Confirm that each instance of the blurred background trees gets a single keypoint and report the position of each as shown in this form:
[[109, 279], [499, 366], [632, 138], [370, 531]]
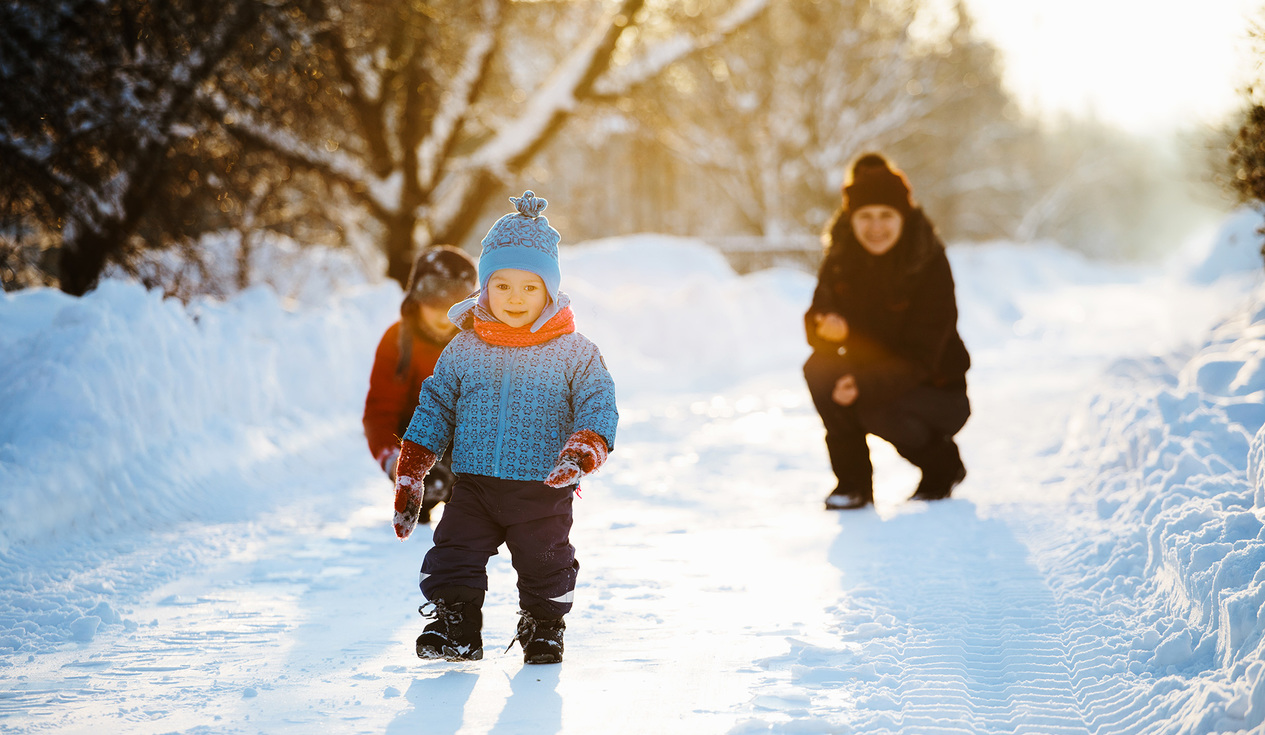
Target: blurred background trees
[[1245, 173], [171, 141], [428, 109], [754, 136]]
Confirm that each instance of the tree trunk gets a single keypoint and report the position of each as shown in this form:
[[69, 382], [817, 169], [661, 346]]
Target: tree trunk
[[484, 185], [246, 243], [399, 247], [86, 250], [83, 257]]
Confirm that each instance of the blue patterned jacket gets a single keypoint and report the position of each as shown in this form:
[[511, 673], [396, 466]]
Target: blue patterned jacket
[[508, 410]]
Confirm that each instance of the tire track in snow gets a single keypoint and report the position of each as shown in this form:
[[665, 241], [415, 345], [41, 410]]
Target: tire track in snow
[[944, 627], [942, 624], [1118, 662]]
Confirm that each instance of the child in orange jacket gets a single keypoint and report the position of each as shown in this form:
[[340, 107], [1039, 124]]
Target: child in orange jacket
[[406, 356]]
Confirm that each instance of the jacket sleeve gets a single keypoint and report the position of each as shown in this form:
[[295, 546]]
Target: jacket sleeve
[[388, 398], [885, 374], [593, 397], [435, 417], [823, 303]]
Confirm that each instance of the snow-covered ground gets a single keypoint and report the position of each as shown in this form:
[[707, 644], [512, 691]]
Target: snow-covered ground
[[193, 537]]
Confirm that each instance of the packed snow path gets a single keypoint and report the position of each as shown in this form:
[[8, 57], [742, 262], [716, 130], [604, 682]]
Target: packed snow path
[[715, 593]]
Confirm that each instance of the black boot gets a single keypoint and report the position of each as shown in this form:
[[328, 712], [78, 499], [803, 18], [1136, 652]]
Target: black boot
[[850, 460], [457, 632], [540, 637], [845, 438], [848, 498], [942, 469]]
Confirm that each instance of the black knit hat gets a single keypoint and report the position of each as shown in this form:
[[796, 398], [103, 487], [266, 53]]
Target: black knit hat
[[874, 181], [442, 275]]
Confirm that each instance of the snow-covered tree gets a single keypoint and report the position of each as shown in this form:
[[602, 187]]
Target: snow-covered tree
[[775, 114], [96, 94], [754, 136], [962, 153], [421, 112]]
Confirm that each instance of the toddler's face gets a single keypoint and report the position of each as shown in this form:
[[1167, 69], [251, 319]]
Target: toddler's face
[[516, 297]]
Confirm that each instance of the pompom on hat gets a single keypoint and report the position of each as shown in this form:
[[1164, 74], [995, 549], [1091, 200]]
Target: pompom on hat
[[523, 240], [875, 181]]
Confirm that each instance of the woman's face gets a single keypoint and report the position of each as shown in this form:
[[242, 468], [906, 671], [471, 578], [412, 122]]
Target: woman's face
[[516, 297], [877, 227]]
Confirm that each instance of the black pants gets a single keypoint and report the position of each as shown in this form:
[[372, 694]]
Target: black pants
[[910, 423], [531, 518]]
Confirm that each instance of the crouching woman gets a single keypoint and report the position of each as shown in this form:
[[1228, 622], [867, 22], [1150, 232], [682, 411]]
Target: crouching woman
[[887, 358]]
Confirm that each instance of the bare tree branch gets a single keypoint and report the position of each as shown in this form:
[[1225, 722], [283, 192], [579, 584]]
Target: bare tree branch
[[436, 149], [368, 108], [375, 192], [662, 54]]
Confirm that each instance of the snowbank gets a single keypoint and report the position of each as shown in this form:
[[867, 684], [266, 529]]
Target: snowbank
[[670, 313], [1169, 462], [998, 282], [1235, 248], [120, 407]]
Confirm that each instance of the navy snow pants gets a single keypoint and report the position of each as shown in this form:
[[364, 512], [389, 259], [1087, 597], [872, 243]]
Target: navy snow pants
[[532, 519]]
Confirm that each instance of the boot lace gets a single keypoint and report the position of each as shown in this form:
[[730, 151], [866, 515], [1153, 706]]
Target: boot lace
[[527, 627], [449, 614], [525, 631]]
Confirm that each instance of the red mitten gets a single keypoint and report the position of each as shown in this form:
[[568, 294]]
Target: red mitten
[[410, 471], [387, 459], [583, 453]]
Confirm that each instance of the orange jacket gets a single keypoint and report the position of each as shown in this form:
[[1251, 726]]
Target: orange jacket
[[390, 402]]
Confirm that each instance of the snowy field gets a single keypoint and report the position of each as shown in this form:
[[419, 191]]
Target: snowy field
[[194, 539]]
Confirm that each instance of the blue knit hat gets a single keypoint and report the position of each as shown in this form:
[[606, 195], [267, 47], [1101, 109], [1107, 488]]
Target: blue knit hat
[[524, 240]]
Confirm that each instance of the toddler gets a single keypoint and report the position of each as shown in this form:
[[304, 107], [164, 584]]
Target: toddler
[[529, 408]]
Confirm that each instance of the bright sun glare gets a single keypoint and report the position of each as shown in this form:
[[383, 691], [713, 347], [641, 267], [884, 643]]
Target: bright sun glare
[[1149, 66]]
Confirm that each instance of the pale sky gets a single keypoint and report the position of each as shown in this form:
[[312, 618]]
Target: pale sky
[[1149, 66]]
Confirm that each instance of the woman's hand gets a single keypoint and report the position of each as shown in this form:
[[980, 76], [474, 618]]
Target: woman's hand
[[832, 327], [845, 393]]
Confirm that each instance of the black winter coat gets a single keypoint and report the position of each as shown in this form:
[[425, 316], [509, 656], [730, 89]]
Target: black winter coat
[[900, 308]]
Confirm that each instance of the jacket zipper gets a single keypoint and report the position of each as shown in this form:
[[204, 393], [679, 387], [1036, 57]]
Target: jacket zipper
[[507, 377]]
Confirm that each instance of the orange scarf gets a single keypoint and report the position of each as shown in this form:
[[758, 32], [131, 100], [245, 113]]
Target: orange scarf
[[503, 335]]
